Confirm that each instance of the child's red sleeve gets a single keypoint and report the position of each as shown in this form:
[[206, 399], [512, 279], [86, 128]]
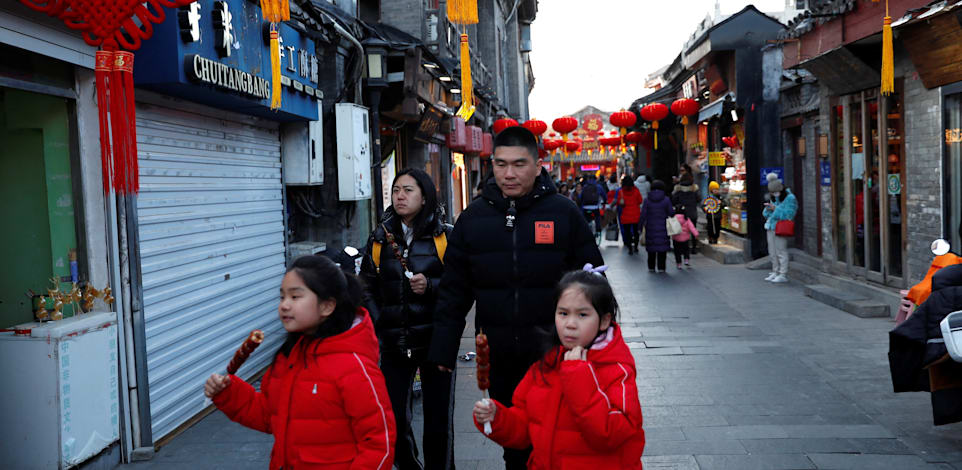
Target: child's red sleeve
[[367, 403], [244, 405], [510, 425], [606, 409]]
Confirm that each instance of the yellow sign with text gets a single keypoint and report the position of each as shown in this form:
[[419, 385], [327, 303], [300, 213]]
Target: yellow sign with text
[[716, 158]]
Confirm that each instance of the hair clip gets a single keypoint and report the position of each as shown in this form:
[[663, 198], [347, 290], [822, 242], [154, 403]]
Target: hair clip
[[591, 269]]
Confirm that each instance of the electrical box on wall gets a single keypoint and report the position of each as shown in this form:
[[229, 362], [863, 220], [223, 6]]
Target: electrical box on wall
[[302, 145], [353, 152]]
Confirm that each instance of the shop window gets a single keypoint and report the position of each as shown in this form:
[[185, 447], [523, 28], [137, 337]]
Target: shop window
[[37, 187]]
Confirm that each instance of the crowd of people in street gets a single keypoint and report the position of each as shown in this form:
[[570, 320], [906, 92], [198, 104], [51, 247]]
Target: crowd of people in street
[[525, 255]]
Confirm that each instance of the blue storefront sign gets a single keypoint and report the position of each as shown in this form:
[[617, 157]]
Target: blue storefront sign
[[217, 53], [775, 169], [826, 173]]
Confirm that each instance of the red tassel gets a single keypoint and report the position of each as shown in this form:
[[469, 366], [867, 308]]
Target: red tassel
[[103, 62], [129, 121]]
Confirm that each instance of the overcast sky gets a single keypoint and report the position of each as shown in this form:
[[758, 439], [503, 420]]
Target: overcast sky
[[599, 52]]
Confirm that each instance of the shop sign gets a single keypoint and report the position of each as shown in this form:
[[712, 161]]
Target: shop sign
[[716, 158], [775, 169], [590, 167], [895, 184], [826, 173], [218, 53], [592, 123], [430, 124], [735, 220]]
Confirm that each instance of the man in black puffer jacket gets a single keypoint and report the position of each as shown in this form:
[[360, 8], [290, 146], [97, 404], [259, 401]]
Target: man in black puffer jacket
[[506, 254], [916, 346]]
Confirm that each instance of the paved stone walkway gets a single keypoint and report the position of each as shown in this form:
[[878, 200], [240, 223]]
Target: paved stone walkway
[[733, 373]]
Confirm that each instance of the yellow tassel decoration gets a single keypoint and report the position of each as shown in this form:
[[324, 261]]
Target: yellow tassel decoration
[[275, 69], [275, 11], [467, 91], [654, 125], [684, 128], [888, 60], [463, 11]]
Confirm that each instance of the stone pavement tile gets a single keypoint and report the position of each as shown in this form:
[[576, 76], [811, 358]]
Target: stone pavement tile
[[753, 462], [676, 420], [716, 433], [881, 446], [868, 461], [669, 462], [798, 446], [677, 400], [647, 351], [663, 433], [862, 431], [718, 350], [694, 447], [774, 419]]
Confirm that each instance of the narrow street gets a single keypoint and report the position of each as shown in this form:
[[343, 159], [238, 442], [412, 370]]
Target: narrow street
[[733, 373]]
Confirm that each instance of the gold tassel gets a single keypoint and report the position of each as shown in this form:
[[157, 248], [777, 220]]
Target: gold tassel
[[463, 11], [275, 11], [654, 125], [684, 128], [467, 92], [275, 69], [888, 59]]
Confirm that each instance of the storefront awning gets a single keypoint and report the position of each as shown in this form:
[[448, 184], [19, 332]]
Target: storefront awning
[[714, 108]]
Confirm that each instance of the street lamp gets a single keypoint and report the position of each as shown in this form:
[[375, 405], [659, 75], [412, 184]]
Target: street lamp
[[375, 78]]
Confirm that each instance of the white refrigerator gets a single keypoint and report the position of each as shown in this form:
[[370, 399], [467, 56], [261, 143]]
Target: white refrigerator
[[59, 391]]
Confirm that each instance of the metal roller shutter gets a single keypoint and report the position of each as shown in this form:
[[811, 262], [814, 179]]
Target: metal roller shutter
[[210, 214]]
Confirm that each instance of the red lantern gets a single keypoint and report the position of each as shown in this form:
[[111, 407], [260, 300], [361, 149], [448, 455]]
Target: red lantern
[[623, 119], [564, 125], [502, 124], [551, 144], [573, 145], [633, 137], [654, 112], [475, 140], [535, 126], [684, 107]]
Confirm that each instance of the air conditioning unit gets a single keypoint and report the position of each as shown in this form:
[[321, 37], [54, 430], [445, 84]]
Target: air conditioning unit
[[353, 152]]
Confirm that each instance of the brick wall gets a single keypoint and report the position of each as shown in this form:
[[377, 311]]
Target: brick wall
[[406, 15], [923, 160]]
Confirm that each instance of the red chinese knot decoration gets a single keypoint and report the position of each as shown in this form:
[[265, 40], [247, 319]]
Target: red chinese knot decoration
[[109, 24], [502, 124]]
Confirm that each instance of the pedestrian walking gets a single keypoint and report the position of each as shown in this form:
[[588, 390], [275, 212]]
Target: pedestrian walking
[[323, 398], [654, 211], [643, 185], [592, 198], [680, 242], [712, 206], [506, 254], [686, 194], [779, 213], [402, 268], [629, 202], [578, 405]]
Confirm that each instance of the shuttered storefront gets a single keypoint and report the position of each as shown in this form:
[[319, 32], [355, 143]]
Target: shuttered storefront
[[211, 225]]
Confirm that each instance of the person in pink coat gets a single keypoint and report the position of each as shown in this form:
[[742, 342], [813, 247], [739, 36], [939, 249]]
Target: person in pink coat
[[680, 242], [578, 406]]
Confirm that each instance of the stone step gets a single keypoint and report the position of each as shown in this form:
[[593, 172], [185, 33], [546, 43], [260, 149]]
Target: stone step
[[847, 301], [724, 254]]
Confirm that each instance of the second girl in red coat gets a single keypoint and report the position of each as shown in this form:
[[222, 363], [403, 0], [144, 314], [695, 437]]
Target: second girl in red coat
[[629, 206], [578, 406]]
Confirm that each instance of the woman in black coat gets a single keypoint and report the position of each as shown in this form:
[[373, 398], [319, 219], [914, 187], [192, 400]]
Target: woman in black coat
[[403, 283]]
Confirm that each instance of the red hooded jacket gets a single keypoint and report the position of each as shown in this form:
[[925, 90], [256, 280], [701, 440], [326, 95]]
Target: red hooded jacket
[[329, 410], [578, 415], [631, 209]]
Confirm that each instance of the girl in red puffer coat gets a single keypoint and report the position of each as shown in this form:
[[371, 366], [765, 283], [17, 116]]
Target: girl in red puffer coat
[[578, 407], [323, 398]]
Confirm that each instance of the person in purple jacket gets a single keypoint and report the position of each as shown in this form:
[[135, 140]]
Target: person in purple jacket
[[654, 211]]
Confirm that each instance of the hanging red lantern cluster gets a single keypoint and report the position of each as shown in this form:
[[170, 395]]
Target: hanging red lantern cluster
[[654, 112], [622, 120], [551, 145], [573, 146], [502, 124], [536, 127]]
